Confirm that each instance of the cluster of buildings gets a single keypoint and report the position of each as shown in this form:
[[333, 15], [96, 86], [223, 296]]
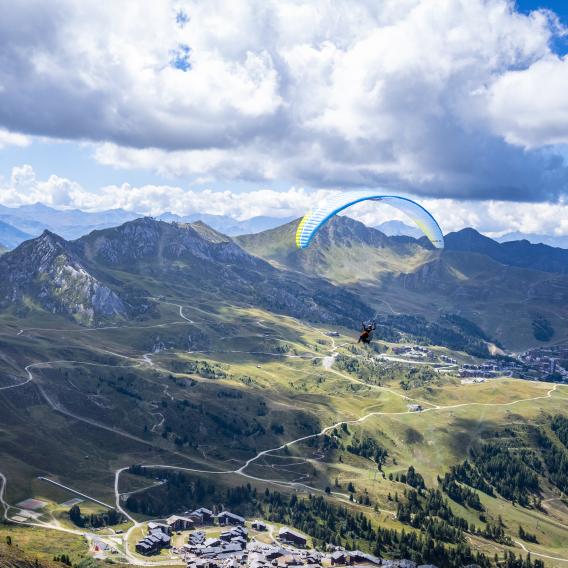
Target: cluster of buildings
[[488, 370], [262, 555], [232, 547], [415, 351], [158, 537], [546, 361], [160, 534], [543, 363], [342, 557], [229, 544]]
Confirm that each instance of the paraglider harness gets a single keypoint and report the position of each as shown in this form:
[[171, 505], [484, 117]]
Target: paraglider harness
[[367, 330]]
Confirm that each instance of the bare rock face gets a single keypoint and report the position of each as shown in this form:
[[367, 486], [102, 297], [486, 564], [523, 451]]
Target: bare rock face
[[46, 271]]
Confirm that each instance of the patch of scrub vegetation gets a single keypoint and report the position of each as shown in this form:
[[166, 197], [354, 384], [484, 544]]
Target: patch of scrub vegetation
[[94, 520], [368, 448], [542, 329], [40, 547], [377, 372], [419, 377]]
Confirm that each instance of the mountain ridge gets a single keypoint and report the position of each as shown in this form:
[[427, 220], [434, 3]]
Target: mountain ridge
[[523, 254], [75, 223], [109, 273]]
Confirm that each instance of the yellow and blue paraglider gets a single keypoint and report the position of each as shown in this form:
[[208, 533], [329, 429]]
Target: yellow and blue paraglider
[[328, 208]]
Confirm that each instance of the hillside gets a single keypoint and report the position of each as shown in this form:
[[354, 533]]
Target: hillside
[[14, 557], [345, 251], [221, 361], [10, 236], [401, 275], [110, 274], [520, 253], [47, 273]]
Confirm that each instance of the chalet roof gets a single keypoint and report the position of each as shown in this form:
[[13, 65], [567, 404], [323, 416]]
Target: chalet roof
[[211, 551], [232, 547], [175, 518], [288, 531], [231, 516], [152, 525], [160, 535], [365, 556], [143, 544]]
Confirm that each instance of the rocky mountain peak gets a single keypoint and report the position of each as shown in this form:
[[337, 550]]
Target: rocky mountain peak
[[48, 270], [148, 239]]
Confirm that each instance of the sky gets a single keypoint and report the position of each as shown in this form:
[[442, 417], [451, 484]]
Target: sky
[[264, 107]]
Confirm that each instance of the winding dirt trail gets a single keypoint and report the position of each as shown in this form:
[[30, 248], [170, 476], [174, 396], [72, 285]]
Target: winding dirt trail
[[145, 359]]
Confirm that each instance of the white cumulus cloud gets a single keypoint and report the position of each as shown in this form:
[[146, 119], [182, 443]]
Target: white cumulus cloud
[[453, 99], [492, 216]]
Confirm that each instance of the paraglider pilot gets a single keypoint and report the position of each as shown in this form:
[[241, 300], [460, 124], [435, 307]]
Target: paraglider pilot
[[367, 332]]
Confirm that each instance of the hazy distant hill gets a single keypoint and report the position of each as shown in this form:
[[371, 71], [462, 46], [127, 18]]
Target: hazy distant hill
[[74, 223], [69, 223], [227, 225], [560, 242], [10, 236], [515, 253], [398, 229]]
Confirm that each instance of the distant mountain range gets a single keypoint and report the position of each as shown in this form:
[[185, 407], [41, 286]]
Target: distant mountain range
[[560, 242], [399, 228], [71, 223], [21, 223], [227, 225]]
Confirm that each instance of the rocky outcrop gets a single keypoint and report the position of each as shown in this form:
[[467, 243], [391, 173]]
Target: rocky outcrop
[[46, 272]]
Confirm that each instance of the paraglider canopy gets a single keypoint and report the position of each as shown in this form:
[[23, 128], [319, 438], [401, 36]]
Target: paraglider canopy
[[331, 206]]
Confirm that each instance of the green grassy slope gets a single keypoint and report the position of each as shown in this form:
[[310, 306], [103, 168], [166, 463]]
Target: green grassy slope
[[255, 382]]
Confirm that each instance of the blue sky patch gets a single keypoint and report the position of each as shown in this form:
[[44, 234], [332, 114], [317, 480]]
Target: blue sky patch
[[180, 57], [182, 18], [560, 7]]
